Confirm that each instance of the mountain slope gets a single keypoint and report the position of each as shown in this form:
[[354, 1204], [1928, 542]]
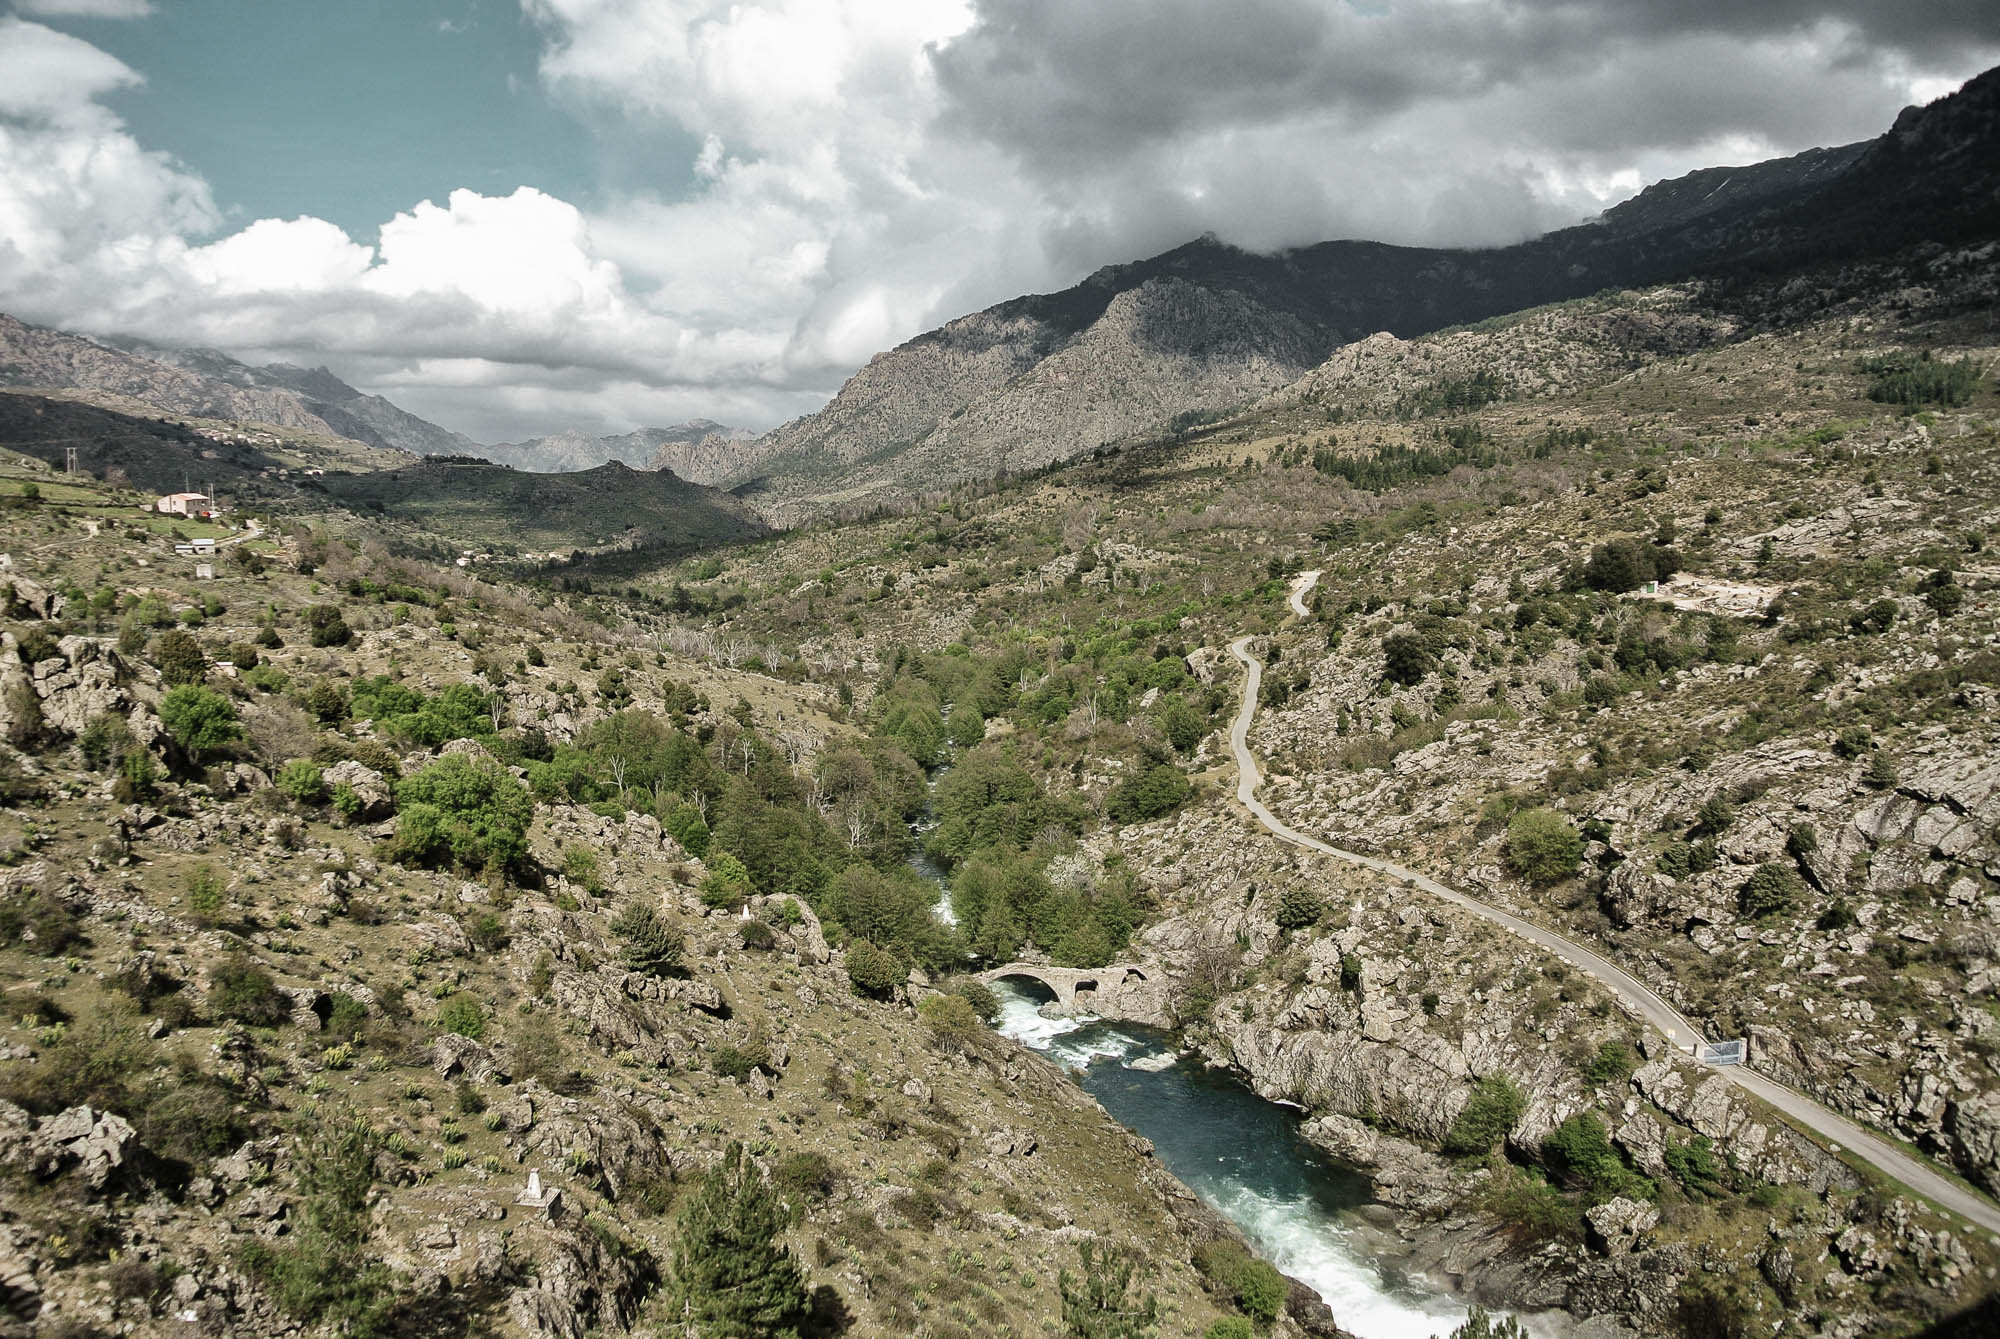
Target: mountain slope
[[701, 450], [473, 503], [206, 384], [1205, 327]]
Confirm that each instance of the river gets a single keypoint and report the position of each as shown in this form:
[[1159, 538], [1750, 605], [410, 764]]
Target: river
[[1246, 1159], [1242, 1155]]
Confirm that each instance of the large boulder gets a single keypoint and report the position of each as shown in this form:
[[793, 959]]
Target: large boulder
[[369, 786], [1618, 1225], [96, 1145]]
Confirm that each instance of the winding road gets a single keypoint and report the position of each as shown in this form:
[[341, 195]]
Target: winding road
[[1634, 993]]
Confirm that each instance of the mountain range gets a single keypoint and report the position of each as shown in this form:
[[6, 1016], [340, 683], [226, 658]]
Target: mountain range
[[700, 450], [1137, 350], [1141, 350]]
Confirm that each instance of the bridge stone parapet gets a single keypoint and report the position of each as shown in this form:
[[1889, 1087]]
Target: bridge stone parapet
[[1068, 982]]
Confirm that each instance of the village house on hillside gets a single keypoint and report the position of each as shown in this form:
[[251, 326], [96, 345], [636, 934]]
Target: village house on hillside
[[186, 504]]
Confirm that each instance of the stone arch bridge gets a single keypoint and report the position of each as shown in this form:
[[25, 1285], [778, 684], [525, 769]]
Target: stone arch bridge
[[1066, 982]]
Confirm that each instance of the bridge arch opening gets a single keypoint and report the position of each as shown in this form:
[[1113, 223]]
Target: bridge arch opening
[[1034, 988]]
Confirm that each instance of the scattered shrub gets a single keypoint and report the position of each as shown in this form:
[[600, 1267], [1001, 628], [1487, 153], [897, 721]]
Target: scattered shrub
[[874, 971], [1542, 847], [736, 1062], [464, 1015], [1614, 1062], [1245, 1280], [1486, 1117], [205, 895], [951, 1020], [304, 781], [726, 885], [241, 990]]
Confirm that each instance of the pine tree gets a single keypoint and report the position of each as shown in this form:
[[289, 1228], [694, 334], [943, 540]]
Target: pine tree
[[1481, 1325], [651, 945], [1100, 1305], [733, 1277]]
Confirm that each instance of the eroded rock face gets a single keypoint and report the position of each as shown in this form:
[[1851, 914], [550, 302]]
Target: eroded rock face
[[371, 789], [83, 681], [98, 1147], [1617, 1225]]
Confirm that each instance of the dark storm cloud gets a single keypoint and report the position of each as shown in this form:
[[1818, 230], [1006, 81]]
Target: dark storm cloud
[[1067, 86]]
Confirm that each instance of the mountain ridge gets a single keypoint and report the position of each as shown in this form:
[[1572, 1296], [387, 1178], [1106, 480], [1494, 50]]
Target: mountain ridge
[[699, 450], [997, 390]]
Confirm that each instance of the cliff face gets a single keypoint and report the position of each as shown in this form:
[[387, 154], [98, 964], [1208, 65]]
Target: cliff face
[[1382, 1022]]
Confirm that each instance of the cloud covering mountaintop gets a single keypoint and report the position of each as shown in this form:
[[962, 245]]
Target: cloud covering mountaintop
[[868, 170]]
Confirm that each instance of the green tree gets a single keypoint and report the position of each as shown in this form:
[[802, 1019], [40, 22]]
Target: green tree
[[464, 809], [179, 657], [1626, 564], [304, 781], [1581, 1153], [732, 1276], [327, 626], [321, 1273], [1486, 1117], [873, 970], [1481, 1325], [1299, 907], [105, 742], [1542, 847], [1084, 944], [1881, 772], [1183, 726], [1770, 890], [1406, 658], [327, 701], [201, 721], [1715, 817], [1160, 789], [651, 945], [727, 883]]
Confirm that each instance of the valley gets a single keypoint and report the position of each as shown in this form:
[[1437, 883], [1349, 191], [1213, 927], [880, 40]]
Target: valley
[[1406, 699]]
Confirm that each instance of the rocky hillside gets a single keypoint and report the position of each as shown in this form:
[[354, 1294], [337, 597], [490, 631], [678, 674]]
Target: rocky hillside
[[701, 451], [159, 455], [326, 933], [1767, 783], [1140, 350], [205, 384]]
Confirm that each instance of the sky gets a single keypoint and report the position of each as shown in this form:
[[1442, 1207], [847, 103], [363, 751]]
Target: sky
[[520, 216]]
